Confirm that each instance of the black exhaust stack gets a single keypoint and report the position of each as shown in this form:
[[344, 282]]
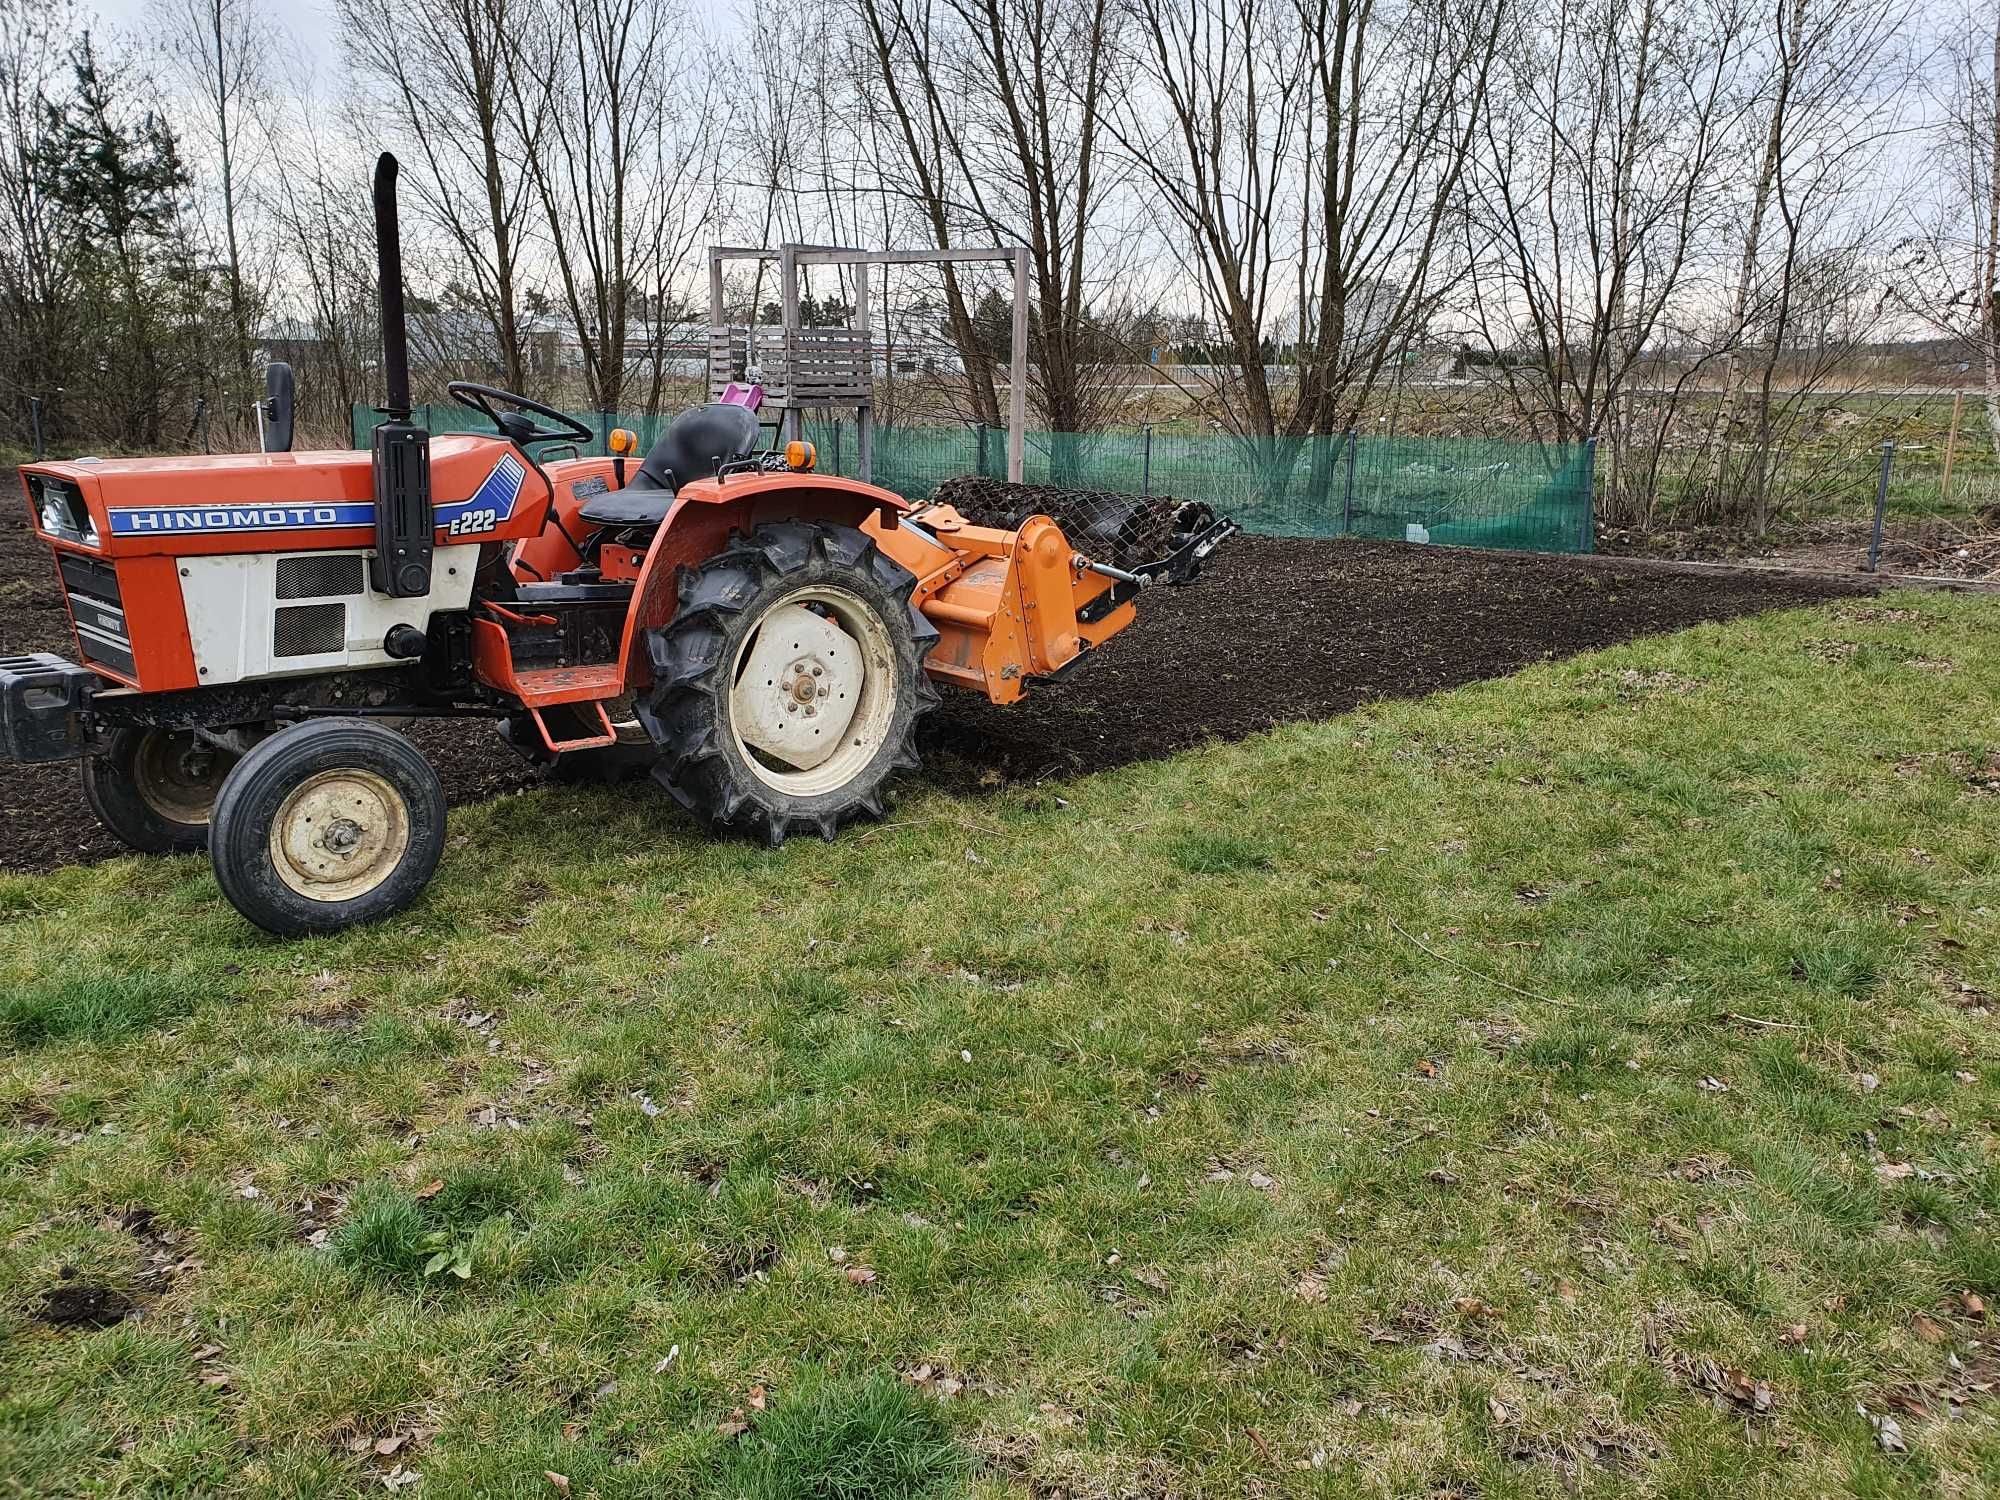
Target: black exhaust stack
[[403, 519]]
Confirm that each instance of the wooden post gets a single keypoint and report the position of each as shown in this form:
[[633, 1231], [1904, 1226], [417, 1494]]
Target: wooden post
[[1951, 447], [864, 416], [1017, 391], [791, 420]]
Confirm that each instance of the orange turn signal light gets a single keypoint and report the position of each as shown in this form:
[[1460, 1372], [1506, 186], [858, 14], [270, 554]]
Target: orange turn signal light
[[800, 455], [622, 441]]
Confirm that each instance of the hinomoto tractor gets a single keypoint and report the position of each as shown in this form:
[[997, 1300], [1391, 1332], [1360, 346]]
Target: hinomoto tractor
[[762, 636]]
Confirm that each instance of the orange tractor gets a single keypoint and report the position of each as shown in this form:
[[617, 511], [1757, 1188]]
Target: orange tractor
[[763, 636]]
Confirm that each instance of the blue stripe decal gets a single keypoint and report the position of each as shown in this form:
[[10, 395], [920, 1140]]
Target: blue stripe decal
[[159, 520], [498, 493]]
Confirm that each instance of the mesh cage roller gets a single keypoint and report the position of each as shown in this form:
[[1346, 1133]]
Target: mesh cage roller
[[1124, 530]]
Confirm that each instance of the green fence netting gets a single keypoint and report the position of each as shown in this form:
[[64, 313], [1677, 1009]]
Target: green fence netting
[[1469, 492]]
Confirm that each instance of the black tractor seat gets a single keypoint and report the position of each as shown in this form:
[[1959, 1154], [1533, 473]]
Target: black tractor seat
[[695, 446]]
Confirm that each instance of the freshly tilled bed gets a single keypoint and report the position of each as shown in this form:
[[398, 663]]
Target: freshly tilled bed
[[1275, 630]]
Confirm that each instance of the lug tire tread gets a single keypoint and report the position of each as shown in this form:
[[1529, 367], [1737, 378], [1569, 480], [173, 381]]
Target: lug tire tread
[[686, 707]]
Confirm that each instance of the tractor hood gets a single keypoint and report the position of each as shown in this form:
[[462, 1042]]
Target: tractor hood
[[458, 466], [250, 502]]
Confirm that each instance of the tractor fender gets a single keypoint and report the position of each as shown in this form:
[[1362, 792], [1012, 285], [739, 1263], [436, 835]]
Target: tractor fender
[[704, 516]]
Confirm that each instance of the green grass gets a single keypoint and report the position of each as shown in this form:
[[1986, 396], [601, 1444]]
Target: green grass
[[1460, 1097]]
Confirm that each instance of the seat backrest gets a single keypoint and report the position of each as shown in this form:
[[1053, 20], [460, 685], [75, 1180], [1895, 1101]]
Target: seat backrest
[[696, 444]]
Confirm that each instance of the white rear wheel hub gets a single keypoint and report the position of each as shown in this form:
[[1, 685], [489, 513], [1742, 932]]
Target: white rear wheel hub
[[814, 690]]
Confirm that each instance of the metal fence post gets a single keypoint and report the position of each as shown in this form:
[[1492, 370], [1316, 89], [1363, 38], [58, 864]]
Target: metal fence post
[[1881, 504], [1146, 463], [837, 425], [1588, 541], [35, 425], [1347, 505], [982, 450]]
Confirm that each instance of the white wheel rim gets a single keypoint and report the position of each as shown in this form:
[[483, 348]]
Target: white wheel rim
[[813, 691], [339, 835]]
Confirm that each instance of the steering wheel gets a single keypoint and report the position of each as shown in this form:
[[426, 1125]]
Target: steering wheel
[[511, 423]]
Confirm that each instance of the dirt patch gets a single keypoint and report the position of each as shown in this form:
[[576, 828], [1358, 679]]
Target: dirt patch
[[1934, 547], [1278, 630], [83, 1304], [1275, 630]]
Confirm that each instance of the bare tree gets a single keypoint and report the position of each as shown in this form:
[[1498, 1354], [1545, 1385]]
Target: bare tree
[[902, 38], [319, 210], [40, 243], [1828, 96], [219, 50], [1316, 142], [437, 72], [1951, 273], [615, 103], [1001, 107], [1594, 196]]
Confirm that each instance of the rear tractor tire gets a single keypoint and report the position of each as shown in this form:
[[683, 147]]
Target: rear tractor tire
[[788, 685], [156, 788], [327, 824]]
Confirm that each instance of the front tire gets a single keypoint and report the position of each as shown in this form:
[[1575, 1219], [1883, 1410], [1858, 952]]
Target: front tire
[[156, 788], [327, 824], [787, 687]]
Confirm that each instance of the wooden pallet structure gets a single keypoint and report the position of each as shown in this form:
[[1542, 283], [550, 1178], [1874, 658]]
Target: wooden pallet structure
[[803, 368]]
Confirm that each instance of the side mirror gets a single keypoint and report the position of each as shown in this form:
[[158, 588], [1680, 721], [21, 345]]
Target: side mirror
[[274, 413]]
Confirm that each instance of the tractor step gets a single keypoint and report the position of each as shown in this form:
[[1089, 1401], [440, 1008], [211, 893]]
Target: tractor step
[[574, 717], [540, 687]]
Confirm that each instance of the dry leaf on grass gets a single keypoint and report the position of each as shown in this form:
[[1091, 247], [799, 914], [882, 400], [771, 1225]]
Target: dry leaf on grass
[[1887, 1433], [860, 1275], [560, 1481], [1733, 1385]]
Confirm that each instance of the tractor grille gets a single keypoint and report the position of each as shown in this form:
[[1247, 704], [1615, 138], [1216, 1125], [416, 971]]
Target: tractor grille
[[319, 575], [99, 611], [309, 630]]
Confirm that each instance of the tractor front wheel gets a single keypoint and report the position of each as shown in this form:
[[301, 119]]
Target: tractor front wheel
[[155, 788], [327, 824], [787, 687]]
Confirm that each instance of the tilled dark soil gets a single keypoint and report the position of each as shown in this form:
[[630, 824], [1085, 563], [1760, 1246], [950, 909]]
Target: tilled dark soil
[[1275, 630]]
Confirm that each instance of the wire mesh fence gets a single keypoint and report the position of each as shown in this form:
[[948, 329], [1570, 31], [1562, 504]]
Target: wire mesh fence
[[1468, 492]]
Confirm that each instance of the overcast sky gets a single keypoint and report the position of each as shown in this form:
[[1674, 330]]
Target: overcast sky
[[311, 23]]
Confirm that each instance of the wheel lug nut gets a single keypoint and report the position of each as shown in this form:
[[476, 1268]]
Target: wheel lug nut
[[818, 671]]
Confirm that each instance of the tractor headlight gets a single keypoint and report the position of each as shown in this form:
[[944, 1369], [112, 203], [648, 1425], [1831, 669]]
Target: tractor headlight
[[60, 509]]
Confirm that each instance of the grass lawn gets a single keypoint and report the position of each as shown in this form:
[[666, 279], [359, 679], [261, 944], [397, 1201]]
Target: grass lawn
[[1584, 1082]]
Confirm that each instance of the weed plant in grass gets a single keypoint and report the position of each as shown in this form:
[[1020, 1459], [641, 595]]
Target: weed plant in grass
[[1577, 1083]]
